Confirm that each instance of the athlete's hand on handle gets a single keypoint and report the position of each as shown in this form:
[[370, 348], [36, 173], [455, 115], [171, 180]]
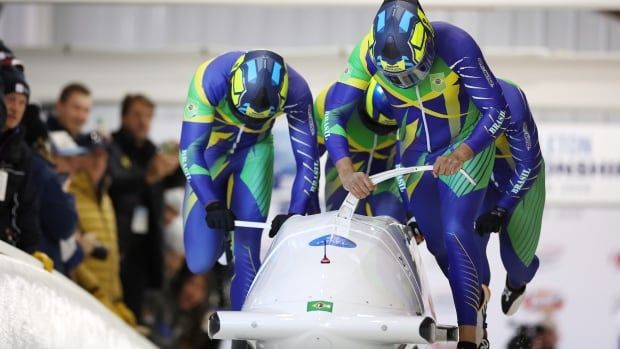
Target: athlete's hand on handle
[[358, 183], [277, 223], [220, 217], [492, 221], [453, 162], [415, 230]]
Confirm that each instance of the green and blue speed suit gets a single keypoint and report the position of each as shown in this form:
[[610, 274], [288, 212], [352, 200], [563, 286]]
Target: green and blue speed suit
[[230, 161], [518, 185], [373, 149], [459, 101]]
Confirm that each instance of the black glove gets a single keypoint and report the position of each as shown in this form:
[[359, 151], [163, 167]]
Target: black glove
[[417, 233], [277, 222], [492, 221], [220, 217]]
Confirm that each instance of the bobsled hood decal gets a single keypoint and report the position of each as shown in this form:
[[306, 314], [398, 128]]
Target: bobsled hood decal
[[334, 240]]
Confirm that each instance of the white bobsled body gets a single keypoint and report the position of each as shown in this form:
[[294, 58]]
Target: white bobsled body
[[329, 282]]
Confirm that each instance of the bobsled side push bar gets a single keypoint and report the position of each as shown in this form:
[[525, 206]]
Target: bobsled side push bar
[[350, 202]]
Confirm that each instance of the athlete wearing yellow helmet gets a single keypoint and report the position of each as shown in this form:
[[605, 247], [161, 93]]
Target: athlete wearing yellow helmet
[[439, 90], [227, 156]]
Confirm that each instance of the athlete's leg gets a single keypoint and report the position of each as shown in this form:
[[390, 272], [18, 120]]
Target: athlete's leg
[[519, 241], [460, 205], [334, 191], [424, 206], [250, 193], [385, 203], [203, 245], [490, 200]]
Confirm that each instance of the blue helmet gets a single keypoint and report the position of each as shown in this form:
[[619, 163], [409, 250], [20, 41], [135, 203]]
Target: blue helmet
[[258, 86], [403, 47]]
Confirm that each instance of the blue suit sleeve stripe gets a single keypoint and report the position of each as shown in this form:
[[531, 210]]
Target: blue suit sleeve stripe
[[302, 133], [522, 136], [194, 140]]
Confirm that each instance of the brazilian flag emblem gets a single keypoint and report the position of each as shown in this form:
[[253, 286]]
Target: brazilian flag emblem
[[320, 306], [438, 82]]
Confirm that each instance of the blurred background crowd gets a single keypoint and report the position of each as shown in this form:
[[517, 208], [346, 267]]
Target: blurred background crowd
[[103, 208], [109, 199]]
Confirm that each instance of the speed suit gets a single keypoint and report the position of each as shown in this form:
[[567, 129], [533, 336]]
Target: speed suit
[[373, 149], [458, 102], [227, 160]]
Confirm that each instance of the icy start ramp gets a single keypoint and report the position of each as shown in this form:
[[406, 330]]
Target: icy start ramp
[[39, 309]]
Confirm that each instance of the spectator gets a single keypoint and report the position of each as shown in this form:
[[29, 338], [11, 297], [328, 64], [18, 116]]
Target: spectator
[[18, 197], [7, 58], [137, 171], [72, 109], [174, 251], [57, 215], [177, 320], [96, 216]]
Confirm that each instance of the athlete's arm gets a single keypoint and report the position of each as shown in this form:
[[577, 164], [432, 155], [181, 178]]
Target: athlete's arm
[[319, 116], [302, 132], [196, 131], [522, 137], [466, 59], [339, 104], [484, 90]]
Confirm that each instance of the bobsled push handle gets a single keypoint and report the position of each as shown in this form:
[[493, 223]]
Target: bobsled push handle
[[347, 209]]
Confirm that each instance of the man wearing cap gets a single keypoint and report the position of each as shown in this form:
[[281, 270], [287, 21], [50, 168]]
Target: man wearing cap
[[18, 197]]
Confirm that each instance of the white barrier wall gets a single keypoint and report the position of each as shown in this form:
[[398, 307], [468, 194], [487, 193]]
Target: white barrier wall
[[39, 309]]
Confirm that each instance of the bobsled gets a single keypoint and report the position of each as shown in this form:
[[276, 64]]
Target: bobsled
[[338, 280]]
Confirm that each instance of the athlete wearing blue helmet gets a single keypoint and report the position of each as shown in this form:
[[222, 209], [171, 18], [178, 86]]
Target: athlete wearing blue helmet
[[403, 48], [259, 85], [449, 108], [227, 156]]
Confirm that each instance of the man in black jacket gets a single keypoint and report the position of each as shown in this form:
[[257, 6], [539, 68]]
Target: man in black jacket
[[57, 214], [18, 198], [137, 170]]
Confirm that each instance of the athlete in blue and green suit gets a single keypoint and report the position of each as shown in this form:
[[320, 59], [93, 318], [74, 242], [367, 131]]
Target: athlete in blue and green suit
[[450, 109], [373, 149], [227, 156], [515, 199]]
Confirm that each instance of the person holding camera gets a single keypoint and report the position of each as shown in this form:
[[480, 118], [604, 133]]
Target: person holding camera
[[100, 271]]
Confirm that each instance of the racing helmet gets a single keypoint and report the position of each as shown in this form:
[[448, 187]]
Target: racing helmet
[[258, 86], [402, 46]]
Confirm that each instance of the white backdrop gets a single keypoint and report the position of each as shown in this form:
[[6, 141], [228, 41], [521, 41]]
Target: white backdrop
[[579, 251], [583, 162]]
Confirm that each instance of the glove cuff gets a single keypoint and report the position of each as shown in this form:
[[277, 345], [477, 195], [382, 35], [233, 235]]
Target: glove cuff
[[215, 206], [502, 211]]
